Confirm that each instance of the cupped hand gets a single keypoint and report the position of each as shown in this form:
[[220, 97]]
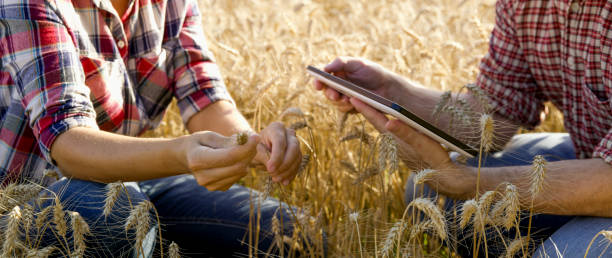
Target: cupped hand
[[279, 151], [359, 71], [216, 161]]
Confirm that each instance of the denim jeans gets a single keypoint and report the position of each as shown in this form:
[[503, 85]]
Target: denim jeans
[[557, 236], [201, 222]]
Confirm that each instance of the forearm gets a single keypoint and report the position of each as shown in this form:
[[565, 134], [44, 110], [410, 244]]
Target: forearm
[[221, 117], [423, 100], [101, 156], [572, 187]]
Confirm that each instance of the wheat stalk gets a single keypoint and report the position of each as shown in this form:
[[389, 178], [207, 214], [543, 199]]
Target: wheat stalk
[[59, 218], [80, 228], [112, 195], [388, 153], [173, 251], [40, 253], [424, 175], [433, 212], [515, 246], [140, 219], [487, 130], [11, 235], [468, 209], [537, 175], [390, 238]]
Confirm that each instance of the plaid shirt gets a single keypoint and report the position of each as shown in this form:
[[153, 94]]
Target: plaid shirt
[[71, 63], [558, 51]]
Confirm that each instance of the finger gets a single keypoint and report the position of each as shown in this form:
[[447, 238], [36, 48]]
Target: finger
[[376, 118], [213, 139], [220, 175], [292, 155], [335, 66], [263, 153], [332, 94], [319, 85], [208, 157], [290, 173], [278, 142], [223, 185]]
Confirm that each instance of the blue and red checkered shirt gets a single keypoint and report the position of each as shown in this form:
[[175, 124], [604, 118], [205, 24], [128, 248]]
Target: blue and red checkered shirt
[[558, 51], [71, 63]]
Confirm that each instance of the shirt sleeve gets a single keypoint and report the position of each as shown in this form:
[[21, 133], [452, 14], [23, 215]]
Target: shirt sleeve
[[604, 149], [504, 72], [198, 80], [42, 59]]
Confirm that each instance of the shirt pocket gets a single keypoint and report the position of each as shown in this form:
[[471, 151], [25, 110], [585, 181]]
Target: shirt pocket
[[154, 84], [106, 81]]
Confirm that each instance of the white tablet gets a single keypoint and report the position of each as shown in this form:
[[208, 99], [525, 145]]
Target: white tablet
[[394, 109]]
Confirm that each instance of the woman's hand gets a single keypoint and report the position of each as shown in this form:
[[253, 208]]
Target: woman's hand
[[279, 151], [216, 161]]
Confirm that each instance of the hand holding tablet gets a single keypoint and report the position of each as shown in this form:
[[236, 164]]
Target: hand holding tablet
[[386, 106]]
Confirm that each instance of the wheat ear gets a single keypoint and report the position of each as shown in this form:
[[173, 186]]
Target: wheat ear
[[80, 228], [59, 218], [467, 210], [174, 251], [433, 212], [112, 195], [11, 236], [515, 246], [422, 176], [140, 218]]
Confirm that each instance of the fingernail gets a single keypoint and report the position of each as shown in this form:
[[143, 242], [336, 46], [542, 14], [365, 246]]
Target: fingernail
[[286, 182]]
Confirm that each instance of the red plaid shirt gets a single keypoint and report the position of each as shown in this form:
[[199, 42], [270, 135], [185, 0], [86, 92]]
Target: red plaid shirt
[[70, 63], [558, 51]]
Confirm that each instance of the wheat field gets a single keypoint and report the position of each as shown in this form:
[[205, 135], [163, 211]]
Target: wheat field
[[352, 186], [263, 48]]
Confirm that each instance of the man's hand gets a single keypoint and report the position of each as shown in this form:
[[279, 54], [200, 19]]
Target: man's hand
[[216, 161], [359, 71], [450, 179], [279, 151]]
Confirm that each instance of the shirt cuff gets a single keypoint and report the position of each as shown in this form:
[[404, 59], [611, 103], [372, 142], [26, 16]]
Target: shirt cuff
[[604, 149], [193, 103], [48, 136]]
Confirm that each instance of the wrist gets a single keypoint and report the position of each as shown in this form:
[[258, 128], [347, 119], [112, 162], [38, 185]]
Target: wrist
[[177, 149]]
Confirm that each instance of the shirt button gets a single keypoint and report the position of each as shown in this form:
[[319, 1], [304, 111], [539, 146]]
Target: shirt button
[[575, 7], [121, 44]]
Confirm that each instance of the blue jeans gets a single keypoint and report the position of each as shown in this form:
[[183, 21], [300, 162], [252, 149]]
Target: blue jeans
[[202, 223], [566, 236]]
